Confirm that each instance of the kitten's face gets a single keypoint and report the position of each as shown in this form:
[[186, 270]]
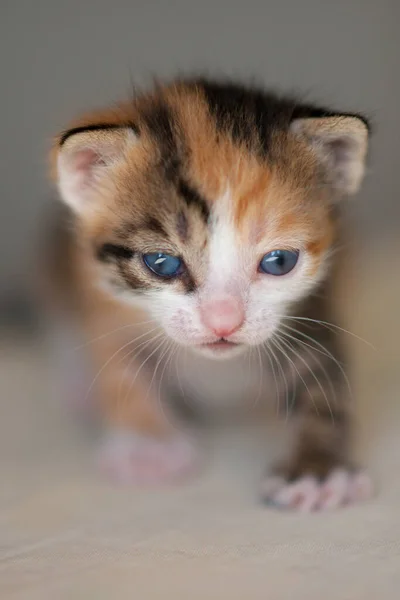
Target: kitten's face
[[198, 223]]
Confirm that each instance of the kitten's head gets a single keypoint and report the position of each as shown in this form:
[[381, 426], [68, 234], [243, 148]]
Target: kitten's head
[[211, 205]]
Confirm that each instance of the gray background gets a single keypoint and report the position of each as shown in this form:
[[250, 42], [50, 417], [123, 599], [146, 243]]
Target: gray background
[[58, 58]]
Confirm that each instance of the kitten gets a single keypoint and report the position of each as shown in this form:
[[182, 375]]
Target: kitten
[[204, 218]]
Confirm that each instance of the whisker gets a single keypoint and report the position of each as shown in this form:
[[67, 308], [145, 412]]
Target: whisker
[[321, 366], [143, 364], [278, 362], [255, 403], [133, 354], [327, 353], [178, 376], [167, 361], [164, 351], [329, 326], [294, 330], [108, 362], [127, 356], [289, 346], [277, 397], [277, 344], [103, 335]]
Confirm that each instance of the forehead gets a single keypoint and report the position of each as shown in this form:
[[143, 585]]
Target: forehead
[[195, 165]]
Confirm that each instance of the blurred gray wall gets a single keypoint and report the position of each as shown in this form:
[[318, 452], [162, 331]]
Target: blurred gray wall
[[60, 57]]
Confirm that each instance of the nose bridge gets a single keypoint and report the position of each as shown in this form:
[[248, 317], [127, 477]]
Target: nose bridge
[[224, 250]]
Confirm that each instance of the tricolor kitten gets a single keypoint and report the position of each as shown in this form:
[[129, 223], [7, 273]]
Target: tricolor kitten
[[205, 215]]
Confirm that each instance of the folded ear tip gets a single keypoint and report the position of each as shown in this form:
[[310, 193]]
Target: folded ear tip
[[332, 124], [357, 125], [366, 122]]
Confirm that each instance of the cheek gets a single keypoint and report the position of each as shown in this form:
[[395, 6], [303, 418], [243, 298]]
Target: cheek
[[178, 314], [270, 298], [263, 314]]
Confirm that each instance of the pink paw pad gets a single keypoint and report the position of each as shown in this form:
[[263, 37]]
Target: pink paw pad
[[137, 459], [307, 494]]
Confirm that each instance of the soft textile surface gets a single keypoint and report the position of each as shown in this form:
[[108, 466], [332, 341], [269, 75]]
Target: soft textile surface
[[65, 534]]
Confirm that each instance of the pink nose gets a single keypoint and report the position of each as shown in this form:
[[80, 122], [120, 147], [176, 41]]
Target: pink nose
[[223, 316]]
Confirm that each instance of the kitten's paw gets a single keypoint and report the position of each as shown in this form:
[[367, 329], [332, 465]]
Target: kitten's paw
[[307, 494], [132, 458]]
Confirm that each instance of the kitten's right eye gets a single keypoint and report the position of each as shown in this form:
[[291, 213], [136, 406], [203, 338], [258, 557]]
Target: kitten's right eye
[[163, 265]]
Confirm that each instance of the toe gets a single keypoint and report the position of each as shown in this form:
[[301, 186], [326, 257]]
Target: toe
[[308, 494], [301, 495], [334, 490], [361, 488]]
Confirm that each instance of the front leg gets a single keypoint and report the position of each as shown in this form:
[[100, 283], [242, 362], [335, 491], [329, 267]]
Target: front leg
[[144, 444], [318, 474]]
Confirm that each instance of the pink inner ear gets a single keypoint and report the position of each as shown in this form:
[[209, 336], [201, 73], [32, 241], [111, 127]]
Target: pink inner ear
[[84, 160]]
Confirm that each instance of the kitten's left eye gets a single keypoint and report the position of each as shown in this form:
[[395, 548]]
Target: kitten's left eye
[[163, 265], [279, 262]]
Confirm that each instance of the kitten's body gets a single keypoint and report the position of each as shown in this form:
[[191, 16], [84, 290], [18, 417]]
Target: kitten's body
[[218, 176]]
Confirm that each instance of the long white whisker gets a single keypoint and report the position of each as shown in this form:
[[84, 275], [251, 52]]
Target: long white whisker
[[321, 366], [163, 353], [326, 352], [103, 335], [131, 352], [297, 331], [289, 346], [108, 362], [277, 344], [167, 361], [260, 380], [278, 362], [329, 326], [178, 376], [143, 364], [268, 349], [134, 353]]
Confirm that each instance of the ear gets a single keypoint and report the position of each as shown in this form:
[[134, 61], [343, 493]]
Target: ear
[[341, 144], [84, 158]]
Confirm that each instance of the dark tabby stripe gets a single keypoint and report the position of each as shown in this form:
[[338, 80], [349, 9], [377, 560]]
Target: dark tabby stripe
[[193, 198], [251, 115], [160, 123], [153, 224], [108, 252], [182, 226], [131, 279]]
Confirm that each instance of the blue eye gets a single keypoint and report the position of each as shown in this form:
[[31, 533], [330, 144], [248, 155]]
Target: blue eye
[[279, 262], [163, 265]]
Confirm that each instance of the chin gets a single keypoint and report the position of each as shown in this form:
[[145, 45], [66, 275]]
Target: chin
[[220, 350]]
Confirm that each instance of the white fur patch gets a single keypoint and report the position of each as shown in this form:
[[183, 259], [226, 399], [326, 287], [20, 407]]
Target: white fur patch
[[224, 248]]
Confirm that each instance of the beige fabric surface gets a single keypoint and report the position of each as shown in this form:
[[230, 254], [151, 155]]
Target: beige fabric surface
[[66, 534]]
